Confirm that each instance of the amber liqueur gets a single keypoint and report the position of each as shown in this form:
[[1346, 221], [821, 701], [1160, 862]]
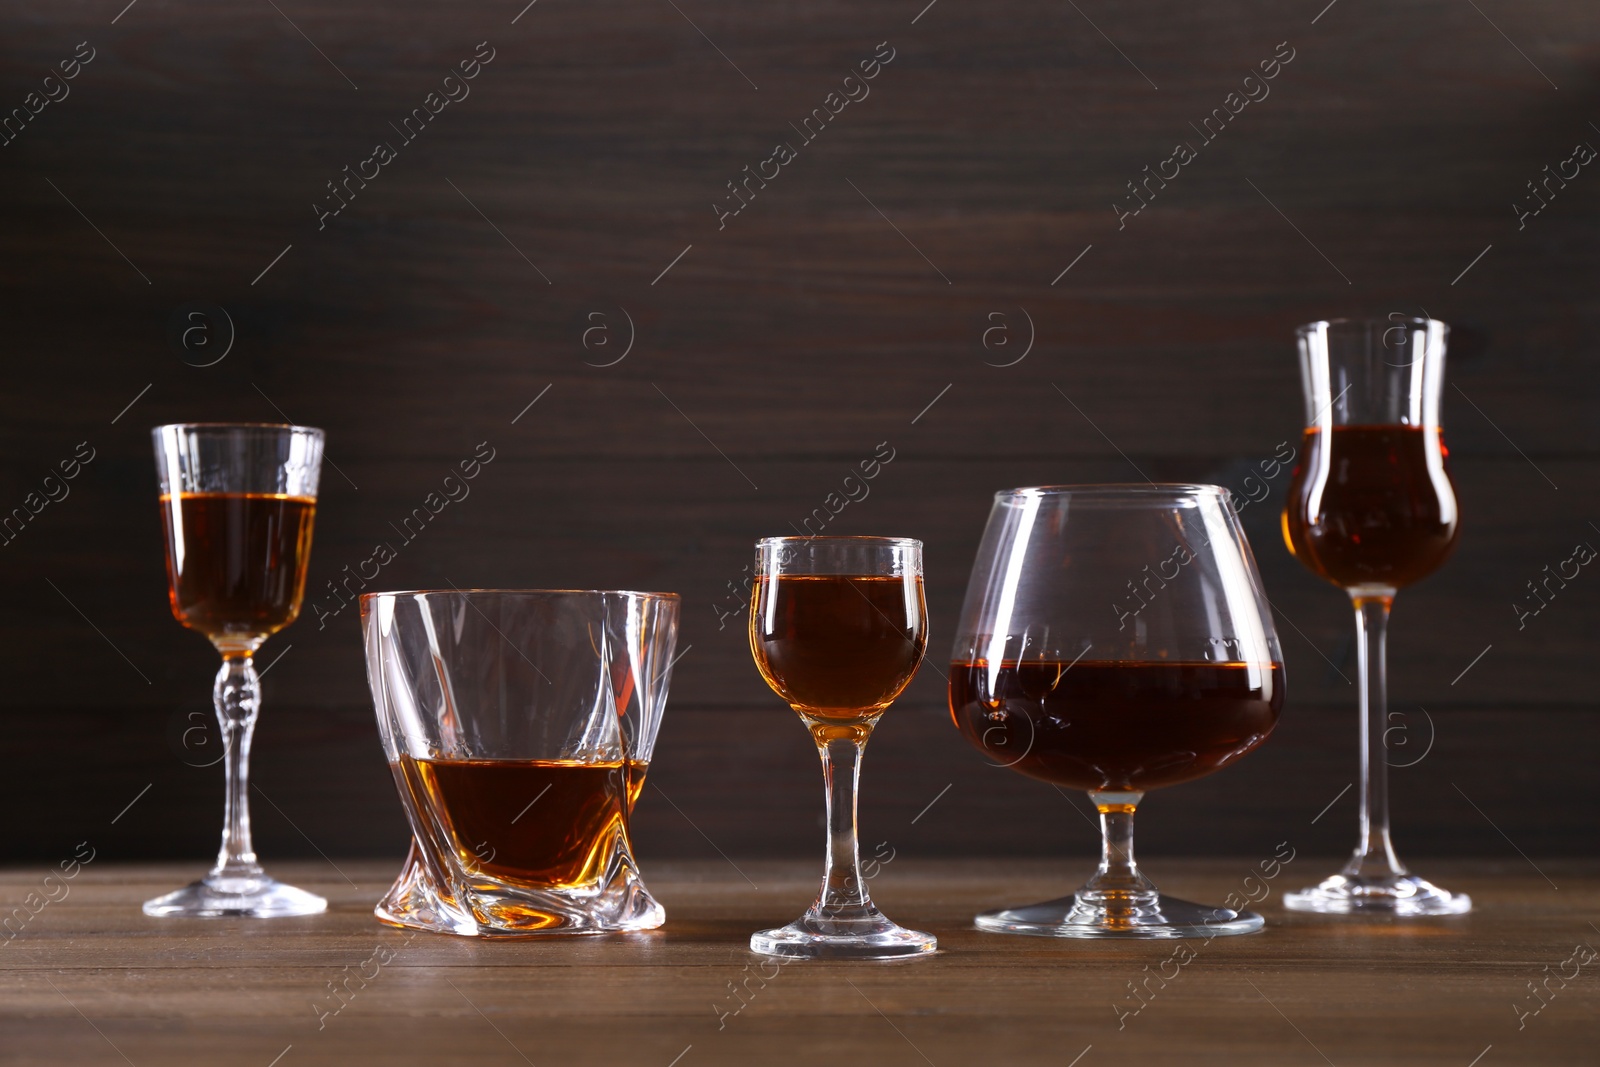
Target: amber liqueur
[[838, 647], [546, 823], [237, 561], [1115, 725], [1371, 505]]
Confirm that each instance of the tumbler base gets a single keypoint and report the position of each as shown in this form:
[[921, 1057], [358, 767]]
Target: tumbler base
[[486, 909]]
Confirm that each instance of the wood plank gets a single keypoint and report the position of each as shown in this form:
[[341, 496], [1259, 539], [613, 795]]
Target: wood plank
[[534, 523], [89, 977], [796, 338], [317, 754], [743, 782]]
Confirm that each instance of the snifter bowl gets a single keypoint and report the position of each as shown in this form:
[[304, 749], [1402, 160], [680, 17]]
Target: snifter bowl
[[519, 725]]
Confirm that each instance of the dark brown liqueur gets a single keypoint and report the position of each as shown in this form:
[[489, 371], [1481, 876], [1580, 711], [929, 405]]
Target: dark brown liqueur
[[548, 823], [1113, 725], [1383, 519], [837, 646], [236, 562]]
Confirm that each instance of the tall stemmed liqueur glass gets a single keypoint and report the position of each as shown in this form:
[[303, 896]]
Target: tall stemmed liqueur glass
[[237, 501], [1115, 639], [838, 626], [1371, 508]]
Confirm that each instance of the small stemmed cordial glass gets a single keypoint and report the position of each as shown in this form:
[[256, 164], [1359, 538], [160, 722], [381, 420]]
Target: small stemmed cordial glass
[[1115, 639], [237, 501], [1371, 509], [838, 626]]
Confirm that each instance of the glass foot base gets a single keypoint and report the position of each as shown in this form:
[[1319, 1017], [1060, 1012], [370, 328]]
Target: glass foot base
[[1404, 894], [254, 897], [869, 938], [1152, 916]]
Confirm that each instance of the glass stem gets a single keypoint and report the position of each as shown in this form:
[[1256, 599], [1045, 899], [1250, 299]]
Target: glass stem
[[844, 893], [1118, 879], [1374, 856], [237, 694]]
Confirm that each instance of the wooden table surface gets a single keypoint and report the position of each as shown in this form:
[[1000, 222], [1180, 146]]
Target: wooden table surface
[[89, 979]]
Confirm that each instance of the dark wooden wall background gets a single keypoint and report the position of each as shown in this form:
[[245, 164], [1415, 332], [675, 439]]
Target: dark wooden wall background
[[776, 353]]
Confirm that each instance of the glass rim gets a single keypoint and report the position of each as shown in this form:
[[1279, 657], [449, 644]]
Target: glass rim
[[289, 426], [1311, 327], [1116, 489], [500, 591], [863, 539]]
